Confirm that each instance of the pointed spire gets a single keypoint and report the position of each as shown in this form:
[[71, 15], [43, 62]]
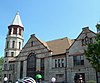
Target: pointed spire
[[17, 20]]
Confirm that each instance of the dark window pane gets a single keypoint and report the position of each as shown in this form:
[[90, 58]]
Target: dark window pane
[[58, 62], [10, 31], [78, 60], [55, 63], [62, 62], [19, 45], [13, 44], [7, 46], [20, 31], [14, 30], [12, 54]]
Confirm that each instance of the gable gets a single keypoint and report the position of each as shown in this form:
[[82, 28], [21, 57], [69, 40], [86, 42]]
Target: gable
[[34, 45], [77, 47]]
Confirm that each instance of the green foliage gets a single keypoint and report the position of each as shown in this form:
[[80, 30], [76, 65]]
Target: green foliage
[[1, 64], [92, 53], [91, 81], [1, 60]]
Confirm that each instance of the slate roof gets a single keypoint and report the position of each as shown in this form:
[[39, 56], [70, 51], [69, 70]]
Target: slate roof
[[59, 46]]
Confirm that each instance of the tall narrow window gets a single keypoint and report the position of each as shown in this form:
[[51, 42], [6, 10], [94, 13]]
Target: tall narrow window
[[31, 65], [5, 75], [13, 44], [58, 62], [21, 69], [55, 63], [20, 31], [32, 43], [83, 42], [5, 66], [10, 31], [7, 46], [86, 40], [91, 41], [9, 77], [12, 54], [15, 31], [19, 45], [6, 54], [42, 64], [62, 62]]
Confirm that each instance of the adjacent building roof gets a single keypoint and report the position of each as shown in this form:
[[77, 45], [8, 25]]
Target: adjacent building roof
[[17, 20], [59, 46]]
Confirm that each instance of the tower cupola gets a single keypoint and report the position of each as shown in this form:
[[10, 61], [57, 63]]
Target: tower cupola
[[98, 27], [14, 39], [16, 27]]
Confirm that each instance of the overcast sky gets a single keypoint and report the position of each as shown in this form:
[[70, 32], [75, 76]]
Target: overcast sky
[[49, 19]]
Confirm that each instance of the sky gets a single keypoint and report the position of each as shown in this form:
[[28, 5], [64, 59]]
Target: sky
[[49, 19]]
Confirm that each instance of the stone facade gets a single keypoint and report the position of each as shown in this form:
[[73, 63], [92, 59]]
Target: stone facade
[[76, 54], [61, 58]]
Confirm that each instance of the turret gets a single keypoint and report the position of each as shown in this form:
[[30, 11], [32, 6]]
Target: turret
[[14, 39]]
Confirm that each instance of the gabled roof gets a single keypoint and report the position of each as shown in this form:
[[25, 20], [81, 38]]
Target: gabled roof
[[44, 43], [85, 30], [17, 20], [59, 46]]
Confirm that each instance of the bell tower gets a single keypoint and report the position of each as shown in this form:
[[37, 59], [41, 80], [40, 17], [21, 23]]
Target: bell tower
[[14, 39], [13, 46]]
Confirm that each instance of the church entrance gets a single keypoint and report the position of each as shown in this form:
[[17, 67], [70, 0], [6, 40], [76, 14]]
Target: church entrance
[[31, 65]]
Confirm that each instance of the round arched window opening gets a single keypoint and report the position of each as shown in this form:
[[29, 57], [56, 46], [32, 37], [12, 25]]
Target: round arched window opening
[[31, 65]]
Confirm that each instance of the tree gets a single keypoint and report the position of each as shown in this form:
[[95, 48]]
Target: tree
[[1, 60], [1, 64], [92, 54]]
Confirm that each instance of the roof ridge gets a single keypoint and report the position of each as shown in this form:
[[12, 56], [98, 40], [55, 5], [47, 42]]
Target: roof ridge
[[56, 39]]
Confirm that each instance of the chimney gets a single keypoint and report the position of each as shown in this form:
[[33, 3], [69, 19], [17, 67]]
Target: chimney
[[85, 28], [32, 35]]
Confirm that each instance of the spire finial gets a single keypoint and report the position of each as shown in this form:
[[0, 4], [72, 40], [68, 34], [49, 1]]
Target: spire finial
[[17, 13], [17, 20]]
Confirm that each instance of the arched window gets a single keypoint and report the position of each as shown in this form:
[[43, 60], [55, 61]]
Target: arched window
[[13, 44], [31, 65], [6, 54], [12, 54], [7, 45], [14, 30], [19, 45], [20, 31], [32, 43], [10, 31]]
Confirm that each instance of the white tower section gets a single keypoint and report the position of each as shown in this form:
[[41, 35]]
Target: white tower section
[[14, 39], [14, 42]]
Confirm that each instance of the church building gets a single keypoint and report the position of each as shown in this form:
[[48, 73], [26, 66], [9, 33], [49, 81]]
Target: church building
[[60, 58]]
